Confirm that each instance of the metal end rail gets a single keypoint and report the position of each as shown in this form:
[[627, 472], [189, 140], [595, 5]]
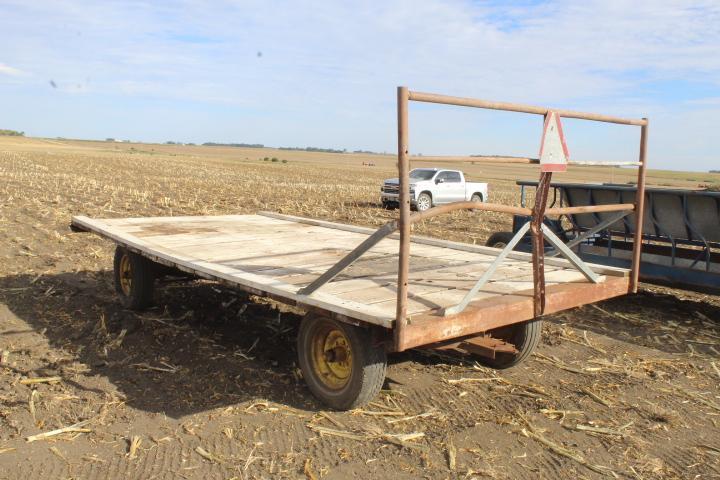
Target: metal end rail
[[539, 231]]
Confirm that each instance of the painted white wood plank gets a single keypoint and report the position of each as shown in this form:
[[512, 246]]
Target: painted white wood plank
[[280, 289]]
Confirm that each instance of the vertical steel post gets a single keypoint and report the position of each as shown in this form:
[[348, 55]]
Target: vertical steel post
[[404, 254], [538, 242], [639, 209]]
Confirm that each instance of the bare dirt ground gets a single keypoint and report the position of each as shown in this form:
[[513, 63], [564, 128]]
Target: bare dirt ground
[[205, 384]]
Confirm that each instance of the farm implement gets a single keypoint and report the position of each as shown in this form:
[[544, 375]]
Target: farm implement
[[371, 292], [681, 231]]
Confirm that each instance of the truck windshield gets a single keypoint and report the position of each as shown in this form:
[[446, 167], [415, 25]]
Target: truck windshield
[[422, 174]]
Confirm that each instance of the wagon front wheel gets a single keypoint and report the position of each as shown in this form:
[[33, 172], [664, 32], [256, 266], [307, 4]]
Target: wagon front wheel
[[134, 279], [340, 362]]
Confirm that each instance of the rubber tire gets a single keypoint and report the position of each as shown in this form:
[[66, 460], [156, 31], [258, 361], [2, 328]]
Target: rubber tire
[[525, 336], [417, 202], [368, 369], [476, 197], [143, 274], [499, 239]]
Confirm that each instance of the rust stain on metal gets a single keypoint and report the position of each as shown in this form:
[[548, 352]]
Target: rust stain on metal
[[538, 243], [484, 315]]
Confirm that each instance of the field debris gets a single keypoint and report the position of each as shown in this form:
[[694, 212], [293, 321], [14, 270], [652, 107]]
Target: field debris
[[451, 454], [595, 397], [603, 430], [401, 439], [208, 456], [134, 443], [531, 432], [308, 470], [32, 381], [167, 367], [75, 428]]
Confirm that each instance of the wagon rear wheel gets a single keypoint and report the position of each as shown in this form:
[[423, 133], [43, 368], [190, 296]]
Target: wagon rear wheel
[[134, 279], [499, 239], [340, 364], [525, 336]]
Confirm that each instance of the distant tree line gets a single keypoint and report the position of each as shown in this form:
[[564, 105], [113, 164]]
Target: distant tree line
[[314, 149], [714, 171], [11, 133], [243, 145], [367, 152]]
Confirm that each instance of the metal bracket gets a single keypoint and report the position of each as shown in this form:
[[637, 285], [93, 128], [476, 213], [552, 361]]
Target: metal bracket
[[569, 254], [489, 272], [348, 259], [587, 234]]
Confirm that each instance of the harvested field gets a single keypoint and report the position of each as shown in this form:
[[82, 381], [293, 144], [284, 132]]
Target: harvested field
[[205, 384]]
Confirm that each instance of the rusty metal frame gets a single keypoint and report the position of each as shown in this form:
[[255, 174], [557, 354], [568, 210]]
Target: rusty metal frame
[[403, 337], [537, 214]]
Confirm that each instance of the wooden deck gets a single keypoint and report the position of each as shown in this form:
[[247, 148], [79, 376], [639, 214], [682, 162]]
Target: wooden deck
[[278, 255]]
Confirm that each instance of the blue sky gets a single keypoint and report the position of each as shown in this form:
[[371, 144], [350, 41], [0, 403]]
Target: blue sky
[[324, 74]]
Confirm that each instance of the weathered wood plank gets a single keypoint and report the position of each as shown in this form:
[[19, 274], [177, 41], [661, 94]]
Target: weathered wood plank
[[334, 304], [601, 269]]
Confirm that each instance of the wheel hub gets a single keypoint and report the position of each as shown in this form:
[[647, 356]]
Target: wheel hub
[[332, 357], [423, 203], [125, 274]]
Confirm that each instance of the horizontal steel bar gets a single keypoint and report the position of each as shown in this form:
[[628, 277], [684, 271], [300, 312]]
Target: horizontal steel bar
[[516, 107], [613, 187], [508, 159], [450, 207], [605, 164], [473, 159], [609, 207]]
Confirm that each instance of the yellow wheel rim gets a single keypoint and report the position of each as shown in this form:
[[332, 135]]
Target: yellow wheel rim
[[331, 356], [125, 274]]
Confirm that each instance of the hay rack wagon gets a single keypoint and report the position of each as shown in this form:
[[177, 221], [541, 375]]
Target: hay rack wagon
[[371, 292]]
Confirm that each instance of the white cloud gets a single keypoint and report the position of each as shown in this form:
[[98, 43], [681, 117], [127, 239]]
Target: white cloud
[[11, 71], [331, 65]]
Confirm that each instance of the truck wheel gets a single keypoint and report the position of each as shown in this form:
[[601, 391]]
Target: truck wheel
[[339, 362], [476, 197], [525, 336], [499, 239], [424, 202], [134, 279]]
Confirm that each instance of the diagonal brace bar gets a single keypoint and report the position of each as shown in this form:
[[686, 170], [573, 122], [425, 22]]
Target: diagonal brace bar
[[348, 259], [569, 254], [489, 272], [600, 226]]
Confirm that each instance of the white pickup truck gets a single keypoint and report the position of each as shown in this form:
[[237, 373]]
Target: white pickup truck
[[434, 186]]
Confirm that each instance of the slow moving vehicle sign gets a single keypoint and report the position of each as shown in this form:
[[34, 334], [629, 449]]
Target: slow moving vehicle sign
[[554, 153]]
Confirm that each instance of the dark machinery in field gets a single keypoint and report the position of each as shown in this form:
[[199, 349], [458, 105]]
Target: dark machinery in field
[[681, 231]]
